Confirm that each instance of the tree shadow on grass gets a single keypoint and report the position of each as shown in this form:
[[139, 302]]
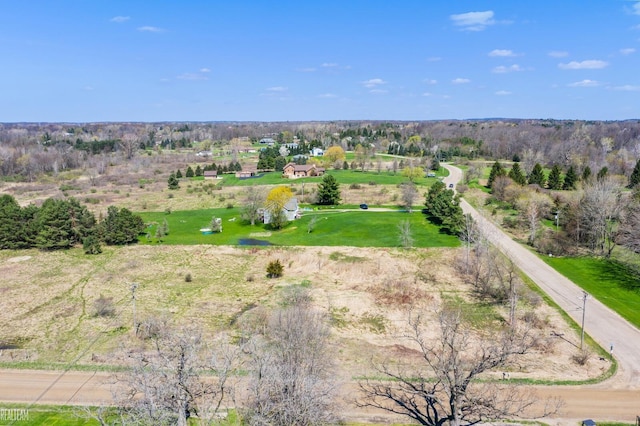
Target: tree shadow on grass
[[621, 274]]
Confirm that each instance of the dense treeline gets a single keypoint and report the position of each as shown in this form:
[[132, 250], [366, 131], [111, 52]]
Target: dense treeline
[[29, 149], [61, 224]]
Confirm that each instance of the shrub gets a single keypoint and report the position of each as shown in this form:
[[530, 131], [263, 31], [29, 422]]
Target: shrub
[[355, 186], [274, 269], [104, 306], [581, 357], [151, 327], [188, 278]]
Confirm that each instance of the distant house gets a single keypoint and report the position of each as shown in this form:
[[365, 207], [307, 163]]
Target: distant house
[[204, 154], [211, 174], [246, 173], [299, 157], [290, 210], [267, 141], [292, 170], [316, 152]]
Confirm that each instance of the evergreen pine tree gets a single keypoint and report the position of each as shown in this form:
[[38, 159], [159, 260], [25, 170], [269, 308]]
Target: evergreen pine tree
[[178, 174], [537, 176], [198, 170], [173, 182], [517, 175], [555, 178], [189, 172], [602, 173], [634, 179], [570, 179], [586, 174], [329, 191], [496, 170]]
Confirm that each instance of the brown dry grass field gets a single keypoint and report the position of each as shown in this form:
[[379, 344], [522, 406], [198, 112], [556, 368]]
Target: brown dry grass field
[[47, 304], [47, 299]]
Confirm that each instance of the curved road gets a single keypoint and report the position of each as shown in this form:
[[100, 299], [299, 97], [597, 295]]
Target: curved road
[[617, 399]]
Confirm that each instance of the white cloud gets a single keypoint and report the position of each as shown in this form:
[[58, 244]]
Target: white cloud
[[502, 69], [636, 27], [460, 81], [87, 88], [378, 91], [502, 53], [585, 83], [636, 8], [374, 82], [503, 93], [276, 89], [558, 54], [309, 69], [628, 51], [430, 81], [327, 96], [434, 59], [150, 29], [329, 65], [205, 70], [427, 94], [473, 21], [627, 88], [119, 19], [591, 64], [193, 76]]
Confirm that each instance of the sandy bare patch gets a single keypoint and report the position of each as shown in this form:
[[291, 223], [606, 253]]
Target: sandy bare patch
[[260, 234], [18, 259]]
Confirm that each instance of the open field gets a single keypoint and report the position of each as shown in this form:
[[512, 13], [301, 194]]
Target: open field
[[48, 306]]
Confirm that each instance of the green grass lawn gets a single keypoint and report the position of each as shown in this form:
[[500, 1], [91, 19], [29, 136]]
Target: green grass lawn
[[334, 227], [608, 281], [47, 415], [346, 177]]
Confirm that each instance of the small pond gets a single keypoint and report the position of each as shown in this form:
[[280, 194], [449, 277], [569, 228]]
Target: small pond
[[253, 242]]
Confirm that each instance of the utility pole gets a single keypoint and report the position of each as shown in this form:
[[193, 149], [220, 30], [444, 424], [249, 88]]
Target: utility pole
[[134, 287], [557, 216], [584, 309]]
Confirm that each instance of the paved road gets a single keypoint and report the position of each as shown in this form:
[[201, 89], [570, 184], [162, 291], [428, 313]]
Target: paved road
[[617, 398]]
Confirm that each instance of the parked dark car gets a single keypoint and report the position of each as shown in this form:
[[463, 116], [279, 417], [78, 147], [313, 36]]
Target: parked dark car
[[588, 422], [450, 185], [364, 206]]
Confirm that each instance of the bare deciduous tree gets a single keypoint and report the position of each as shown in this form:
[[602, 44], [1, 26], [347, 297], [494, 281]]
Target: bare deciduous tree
[[443, 389], [600, 208], [533, 207], [165, 384], [404, 229], [129, 145], [254, 200], [292, 382], [629, 231], [409, 194]]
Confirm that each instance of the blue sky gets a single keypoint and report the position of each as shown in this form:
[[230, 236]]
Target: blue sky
[[81, 61]]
